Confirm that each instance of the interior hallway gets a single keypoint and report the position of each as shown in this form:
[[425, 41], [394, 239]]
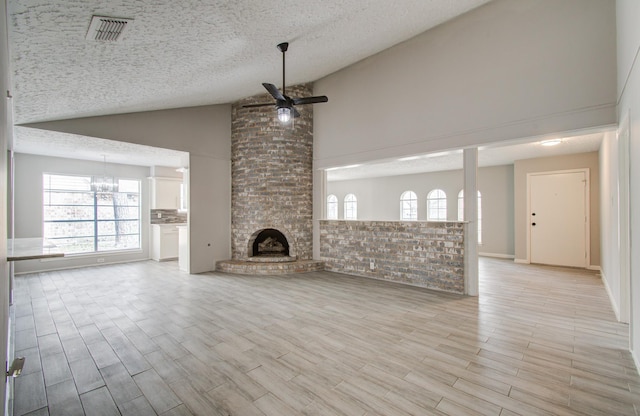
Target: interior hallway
[[145, 339]]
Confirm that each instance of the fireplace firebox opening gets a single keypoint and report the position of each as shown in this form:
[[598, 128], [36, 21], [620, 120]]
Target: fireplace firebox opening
[[270, 243]]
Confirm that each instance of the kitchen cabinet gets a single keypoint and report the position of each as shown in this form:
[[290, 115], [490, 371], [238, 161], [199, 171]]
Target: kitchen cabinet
[[164, 242], [165, 193], [183, 248]]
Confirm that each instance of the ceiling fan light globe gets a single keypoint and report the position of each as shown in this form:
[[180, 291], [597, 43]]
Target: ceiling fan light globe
[[284, 114]]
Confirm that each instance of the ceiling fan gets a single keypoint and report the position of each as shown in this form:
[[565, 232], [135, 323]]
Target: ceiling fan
[[285, 104]]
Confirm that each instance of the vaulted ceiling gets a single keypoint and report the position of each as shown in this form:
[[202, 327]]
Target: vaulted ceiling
[[192, 52]]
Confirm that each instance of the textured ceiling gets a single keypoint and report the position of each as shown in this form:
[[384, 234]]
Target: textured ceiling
[[193, 52], [190, 52], [73, 146]]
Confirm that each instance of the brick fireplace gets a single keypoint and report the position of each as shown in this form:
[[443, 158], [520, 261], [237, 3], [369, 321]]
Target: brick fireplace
[[271, 189]]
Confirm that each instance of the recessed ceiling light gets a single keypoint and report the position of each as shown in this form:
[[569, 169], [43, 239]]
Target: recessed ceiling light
[[551, 142]]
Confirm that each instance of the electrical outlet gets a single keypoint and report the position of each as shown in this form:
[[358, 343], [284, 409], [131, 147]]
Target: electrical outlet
[[159, 214], [372, 265]]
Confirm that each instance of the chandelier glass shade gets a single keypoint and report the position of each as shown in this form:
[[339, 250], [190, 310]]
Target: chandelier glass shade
[[103, 183]]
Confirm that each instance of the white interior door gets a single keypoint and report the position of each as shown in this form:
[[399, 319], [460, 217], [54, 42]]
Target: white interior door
[[558, 218]]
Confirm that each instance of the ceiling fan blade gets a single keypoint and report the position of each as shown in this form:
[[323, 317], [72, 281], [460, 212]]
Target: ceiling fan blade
[[274, 91], [295, 112], [310, 100], [257, 105]]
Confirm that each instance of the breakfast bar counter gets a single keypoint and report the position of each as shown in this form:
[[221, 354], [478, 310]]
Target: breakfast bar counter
[[31, 248]]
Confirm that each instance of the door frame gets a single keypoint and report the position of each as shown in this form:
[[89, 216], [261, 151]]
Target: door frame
[[624, 219], [587, 211]]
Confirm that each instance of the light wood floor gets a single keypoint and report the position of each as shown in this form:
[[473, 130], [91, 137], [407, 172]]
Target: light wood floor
[[146, 339]]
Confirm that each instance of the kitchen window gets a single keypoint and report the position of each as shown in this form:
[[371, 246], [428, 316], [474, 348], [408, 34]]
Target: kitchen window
[[78, 220]]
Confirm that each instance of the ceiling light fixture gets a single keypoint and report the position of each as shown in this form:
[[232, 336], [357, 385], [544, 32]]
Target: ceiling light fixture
[[104, 184], [285, 105], [284, 114], [551, 142]]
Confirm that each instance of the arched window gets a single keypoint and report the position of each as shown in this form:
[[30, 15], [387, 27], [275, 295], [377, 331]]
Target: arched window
[[461, 212], [436, 205], [409, 206], [332, 207], [350, 207]]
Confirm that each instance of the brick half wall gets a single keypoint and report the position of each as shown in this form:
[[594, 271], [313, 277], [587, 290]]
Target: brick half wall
[[425, 254]]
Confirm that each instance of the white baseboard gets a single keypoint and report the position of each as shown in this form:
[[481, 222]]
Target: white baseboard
[[612, 299], [497, 255], [80, 266], [521, 261]]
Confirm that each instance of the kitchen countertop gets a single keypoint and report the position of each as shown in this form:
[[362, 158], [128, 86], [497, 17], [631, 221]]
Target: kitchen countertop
[[31, 248], [173, 224]]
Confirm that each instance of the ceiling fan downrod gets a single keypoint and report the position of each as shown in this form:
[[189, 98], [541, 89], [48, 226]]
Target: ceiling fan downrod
[[282, 47]]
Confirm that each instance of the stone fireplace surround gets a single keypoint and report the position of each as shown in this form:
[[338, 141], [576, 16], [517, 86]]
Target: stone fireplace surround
[[271, 187]]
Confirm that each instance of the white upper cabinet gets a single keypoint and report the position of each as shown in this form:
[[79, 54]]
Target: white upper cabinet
[[165, 193]]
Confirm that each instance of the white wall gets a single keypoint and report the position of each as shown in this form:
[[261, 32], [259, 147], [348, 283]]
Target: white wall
[[28, 207], [508, 69], [496, 187], [379, 199], [6, 126], [204, 132], [628, 35], [609, 208], [209, 212]]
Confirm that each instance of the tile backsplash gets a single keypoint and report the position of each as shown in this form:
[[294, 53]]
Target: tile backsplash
[[168, 216]]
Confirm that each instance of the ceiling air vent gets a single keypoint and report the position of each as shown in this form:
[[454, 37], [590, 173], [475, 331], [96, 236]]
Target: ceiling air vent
[[107, 29]]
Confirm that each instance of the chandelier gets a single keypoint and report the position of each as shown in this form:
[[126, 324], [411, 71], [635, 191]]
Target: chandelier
[[104, 184]]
